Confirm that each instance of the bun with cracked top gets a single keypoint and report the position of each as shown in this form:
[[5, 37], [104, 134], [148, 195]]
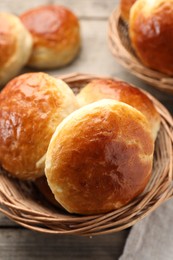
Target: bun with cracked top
[[93, 159], [56, 35], [32, 105], [15, 46]]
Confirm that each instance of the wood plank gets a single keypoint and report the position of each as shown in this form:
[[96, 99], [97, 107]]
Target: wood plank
[[22, 244], [6, 222], [95, 56], [85, 8]]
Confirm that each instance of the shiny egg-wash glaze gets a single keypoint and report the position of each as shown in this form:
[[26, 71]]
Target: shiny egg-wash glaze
[[7, 40], [104, 162], [15, 46], [125, 7], [124, 92], [32, 105], [151, 33], [56, 35]]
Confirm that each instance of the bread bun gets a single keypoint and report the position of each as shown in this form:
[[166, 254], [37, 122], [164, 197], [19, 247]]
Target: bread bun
[[125, 7], [151, 33], [124, 92], [32, 105], [43, 187], [15, 46], [100, 157], [56, 36]]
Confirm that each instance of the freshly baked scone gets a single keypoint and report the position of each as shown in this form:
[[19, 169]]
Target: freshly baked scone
[[100, 157], [56, 35], [151, 33], [32, 105], [15, 46], [125, 7], [124, 92]]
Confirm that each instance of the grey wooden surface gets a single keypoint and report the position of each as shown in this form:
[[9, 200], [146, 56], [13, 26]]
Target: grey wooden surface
[[95, 57]]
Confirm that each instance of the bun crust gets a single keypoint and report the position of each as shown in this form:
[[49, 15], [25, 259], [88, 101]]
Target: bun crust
[[56, 34], [95, 168], [15, 46], [151, 33], [32, 105], [43, 187], [124, 92], [125, 7]]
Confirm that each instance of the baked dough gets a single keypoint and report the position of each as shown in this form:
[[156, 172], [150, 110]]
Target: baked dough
[[32, 105], [56, 35], [15, 46], [43, 187], [125, 7], [100, 157], [124, 92], [151, 33]]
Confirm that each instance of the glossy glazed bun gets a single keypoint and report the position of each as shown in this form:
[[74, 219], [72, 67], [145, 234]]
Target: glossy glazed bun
[[15, 46], [55, 31], [151, 33], [100, 157], [125, 7], [32, 105], [124, 92]]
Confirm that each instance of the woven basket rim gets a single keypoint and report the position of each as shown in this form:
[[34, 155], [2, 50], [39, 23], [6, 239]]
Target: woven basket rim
[[17, 203], [129, 61]]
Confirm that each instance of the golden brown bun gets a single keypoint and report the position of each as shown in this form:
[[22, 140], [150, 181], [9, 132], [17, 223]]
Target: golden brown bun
[[15, 46], [151, 33], [124, 92], [55, 31], [32, 105], [100, 157], [43, 187], [125, 7]]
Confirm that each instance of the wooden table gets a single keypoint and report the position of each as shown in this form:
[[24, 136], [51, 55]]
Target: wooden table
[[95, 57]]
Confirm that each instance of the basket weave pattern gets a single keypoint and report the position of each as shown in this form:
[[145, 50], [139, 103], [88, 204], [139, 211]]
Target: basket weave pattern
[[21, 201], [121, 48]]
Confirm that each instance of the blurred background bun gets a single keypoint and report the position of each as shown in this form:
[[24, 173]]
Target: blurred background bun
[[124, 92], [56, 35], [15, 46], [125, 6], [32, 105], [94, 157], [151, 33]]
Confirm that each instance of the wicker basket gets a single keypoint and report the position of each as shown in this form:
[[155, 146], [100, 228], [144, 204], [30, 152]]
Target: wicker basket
[[21, 201], [121, 48]]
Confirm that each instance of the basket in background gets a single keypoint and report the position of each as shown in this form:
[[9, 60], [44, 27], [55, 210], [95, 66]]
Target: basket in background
[[121, 48]]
